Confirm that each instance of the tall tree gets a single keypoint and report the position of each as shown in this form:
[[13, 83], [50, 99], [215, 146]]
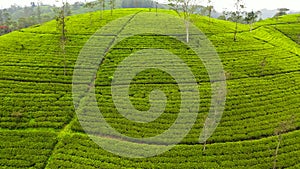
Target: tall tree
[[156, 8], [7, 20], [39, 12], [239, 6], [251, 17], [185, 7], [90, 5], [283, 127], [281, 12], [32, 4], [112, 4], [102, 6], [210, 8], [68, 11], [61, 26], [225, 15], [1, 18]]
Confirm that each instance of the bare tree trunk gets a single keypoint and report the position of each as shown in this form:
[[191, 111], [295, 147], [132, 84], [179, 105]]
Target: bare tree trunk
[[235, 31], [204, 144], [103, 6], [101, 15], [156, 6], [64, 38], [187, 26], [276, 151], [209, 14], [91, 21], [112, 6], [65, 63]]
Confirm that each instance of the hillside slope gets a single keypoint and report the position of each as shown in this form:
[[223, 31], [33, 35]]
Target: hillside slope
[[39, 127]]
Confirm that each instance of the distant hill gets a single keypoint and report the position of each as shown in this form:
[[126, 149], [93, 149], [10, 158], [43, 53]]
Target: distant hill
[[295, 12], [17, 17], [267, 13]]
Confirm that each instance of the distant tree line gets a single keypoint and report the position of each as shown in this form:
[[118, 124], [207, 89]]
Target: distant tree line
[[5, 21], [242, 17], [250, 17], [239, 15], [138, 4], [17, 17]]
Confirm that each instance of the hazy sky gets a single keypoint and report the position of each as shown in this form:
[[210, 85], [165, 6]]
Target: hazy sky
[[219, 5]]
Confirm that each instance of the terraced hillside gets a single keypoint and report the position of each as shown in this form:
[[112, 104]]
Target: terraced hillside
[[39, 127]]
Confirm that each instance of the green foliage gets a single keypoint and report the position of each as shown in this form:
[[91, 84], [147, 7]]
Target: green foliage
[[112, 4], [263, 91], [61, 20], [17, 17], [251, 17], [237, 15], [290, 30], [79, 151], [281, 12], [25, 149]]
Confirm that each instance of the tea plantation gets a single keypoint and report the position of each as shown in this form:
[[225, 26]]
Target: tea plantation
[[40, 129]]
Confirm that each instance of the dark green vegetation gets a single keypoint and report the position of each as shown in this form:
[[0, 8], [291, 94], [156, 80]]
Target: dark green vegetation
[[39, 128], [17, 17]]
